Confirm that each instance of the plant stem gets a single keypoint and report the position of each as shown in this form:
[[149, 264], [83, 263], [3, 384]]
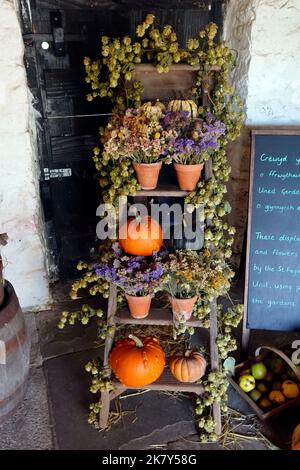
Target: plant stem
[[138, 342]]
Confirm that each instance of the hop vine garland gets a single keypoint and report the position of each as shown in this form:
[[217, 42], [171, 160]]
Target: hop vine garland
[[112, 76]]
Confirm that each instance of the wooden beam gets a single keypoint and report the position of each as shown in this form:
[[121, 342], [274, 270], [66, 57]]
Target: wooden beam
[[111, 311], [167, 191], [214, 357], [157, 316], [125, 4], [168, 382]]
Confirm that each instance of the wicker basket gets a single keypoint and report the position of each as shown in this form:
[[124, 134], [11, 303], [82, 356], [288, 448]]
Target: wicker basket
[[259, 357]]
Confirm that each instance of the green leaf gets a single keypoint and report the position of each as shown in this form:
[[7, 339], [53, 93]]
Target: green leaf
[[229, 365], [227, 207]]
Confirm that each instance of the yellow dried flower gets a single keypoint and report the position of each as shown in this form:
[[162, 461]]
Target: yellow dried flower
[[149, 19]]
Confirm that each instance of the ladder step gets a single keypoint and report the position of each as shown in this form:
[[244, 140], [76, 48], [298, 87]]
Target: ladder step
[[157, 316], [167, 191], [166, 382]]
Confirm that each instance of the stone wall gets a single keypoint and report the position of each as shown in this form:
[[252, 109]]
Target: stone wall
[[266, 36], [20, 218]]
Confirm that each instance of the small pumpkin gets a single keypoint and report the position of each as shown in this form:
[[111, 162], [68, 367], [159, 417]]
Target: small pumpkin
[[187, 367], [137, 361], [141, 236], [184, 105], [155, 110], [296, 438], [290, 389]]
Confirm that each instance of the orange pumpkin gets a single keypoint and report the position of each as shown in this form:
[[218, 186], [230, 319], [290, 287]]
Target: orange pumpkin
[[187, 367], [141, 237], [137, 361], [296, 438]]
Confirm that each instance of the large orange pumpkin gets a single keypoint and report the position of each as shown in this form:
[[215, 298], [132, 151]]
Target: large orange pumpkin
[[137, 361], [296, 438], [141, 237], [187, 367]]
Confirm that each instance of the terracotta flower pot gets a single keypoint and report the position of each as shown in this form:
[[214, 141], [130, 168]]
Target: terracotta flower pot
[[147, 174], [139, 306], [188, 175], [182, 307]]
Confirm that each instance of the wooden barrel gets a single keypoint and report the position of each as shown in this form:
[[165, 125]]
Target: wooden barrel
[[14, 353]]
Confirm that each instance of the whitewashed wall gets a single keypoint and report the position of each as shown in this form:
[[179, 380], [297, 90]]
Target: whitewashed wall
[[266, 35], [24, 256], [274, 73]]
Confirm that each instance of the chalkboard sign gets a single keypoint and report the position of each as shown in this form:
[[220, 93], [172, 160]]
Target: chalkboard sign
[[273, 248]]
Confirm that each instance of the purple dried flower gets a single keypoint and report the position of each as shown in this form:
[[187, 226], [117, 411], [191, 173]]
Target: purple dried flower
[[205, 138], [157, 272], [176, 120], [136, 275]]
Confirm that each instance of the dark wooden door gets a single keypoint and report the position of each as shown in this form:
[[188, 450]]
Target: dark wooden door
[[57, 35]]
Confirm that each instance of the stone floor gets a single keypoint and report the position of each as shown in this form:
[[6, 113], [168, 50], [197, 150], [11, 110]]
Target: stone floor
[[54, 412]]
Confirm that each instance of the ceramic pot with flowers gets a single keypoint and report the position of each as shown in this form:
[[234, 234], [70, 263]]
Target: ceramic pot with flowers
[[140, 138], [188, 175], [139, 307], [192, 146], [147, 174], [182, 308], [139, 277], [186, 275]]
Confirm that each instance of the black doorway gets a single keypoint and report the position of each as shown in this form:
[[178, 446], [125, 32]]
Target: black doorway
[[57, 35]]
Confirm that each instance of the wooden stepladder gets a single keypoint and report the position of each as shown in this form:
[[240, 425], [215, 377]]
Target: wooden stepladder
[[183, 78], [158, 317]]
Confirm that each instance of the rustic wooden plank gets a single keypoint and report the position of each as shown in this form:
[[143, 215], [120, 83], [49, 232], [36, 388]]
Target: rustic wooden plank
[[144, 69], [25, 16], [72, 148], [125, 4], [208, 169], [111, 311], [157, 316], [59, 107], [176, 84], [168, 382], [63, 84], [40, 37], [214, 358], [66, 126], [76, 4], [104, 413], [246, 331], [166, 190]]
